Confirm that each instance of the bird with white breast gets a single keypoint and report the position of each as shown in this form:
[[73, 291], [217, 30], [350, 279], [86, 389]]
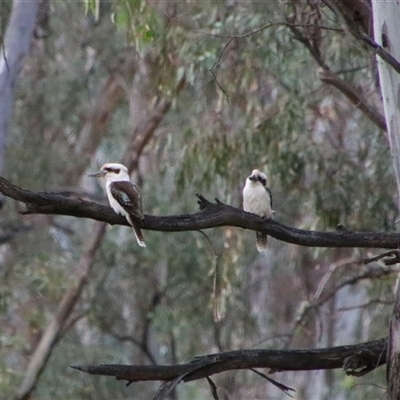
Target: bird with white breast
[[123, 195], [257, 199]]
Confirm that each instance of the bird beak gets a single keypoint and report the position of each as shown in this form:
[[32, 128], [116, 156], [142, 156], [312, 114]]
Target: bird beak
[[252, 178], [97, 174]]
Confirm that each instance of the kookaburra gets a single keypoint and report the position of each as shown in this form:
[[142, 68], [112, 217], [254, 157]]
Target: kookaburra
[[123, 195], [257, 199]]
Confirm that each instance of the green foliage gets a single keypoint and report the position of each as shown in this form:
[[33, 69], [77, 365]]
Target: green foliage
[[248, 102], [142, 23]]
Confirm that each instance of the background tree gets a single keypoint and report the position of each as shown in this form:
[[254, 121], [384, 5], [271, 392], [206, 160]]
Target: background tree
[[193, 97]]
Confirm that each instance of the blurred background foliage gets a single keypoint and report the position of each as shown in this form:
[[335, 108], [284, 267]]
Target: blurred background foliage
[[238, 101]]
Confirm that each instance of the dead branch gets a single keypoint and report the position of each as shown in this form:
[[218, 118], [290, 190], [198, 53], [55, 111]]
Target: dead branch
[[211, 215], [363, 357], [388, 257]]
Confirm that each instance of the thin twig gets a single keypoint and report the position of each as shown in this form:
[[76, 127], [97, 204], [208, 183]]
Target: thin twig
[[367, 304], [243, 36], [306, 42], [269, 25], [321, 297], [393, 254], [216, 63], [285, 389]]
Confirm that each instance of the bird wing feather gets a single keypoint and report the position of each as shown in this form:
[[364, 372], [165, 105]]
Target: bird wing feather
[[270, 195], [128, 196]]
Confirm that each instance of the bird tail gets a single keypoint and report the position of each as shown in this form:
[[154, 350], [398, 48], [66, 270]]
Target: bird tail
[[261, 241], [138, 233], [139, 236]]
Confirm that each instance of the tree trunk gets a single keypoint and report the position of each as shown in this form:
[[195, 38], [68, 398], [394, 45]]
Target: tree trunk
[[386, 15], [16, 46]]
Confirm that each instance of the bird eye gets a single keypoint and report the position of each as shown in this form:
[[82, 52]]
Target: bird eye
[[117, 171]]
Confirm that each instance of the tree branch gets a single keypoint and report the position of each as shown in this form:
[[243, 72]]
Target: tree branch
[[98, 119], [358, 17], [144, 132], [381, 52], [211, 215], [54, 329], [356, 360], [358, 100], [332, 79], [323, 295]]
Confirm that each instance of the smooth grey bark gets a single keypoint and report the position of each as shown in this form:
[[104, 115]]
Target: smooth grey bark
[[386, 17], [15, 47], [387, 34]]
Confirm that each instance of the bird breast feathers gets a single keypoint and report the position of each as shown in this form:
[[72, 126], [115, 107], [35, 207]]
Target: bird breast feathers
[[257, 200]]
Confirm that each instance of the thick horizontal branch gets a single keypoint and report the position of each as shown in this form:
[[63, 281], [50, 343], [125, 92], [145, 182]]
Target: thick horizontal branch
[[355, 360], [211, 215]]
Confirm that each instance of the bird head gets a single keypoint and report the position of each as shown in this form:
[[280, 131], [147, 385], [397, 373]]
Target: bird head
[[258, 177], [113, 172]]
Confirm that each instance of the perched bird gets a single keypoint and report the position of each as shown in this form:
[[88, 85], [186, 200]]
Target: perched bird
[[257, 199], [123, 195]]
